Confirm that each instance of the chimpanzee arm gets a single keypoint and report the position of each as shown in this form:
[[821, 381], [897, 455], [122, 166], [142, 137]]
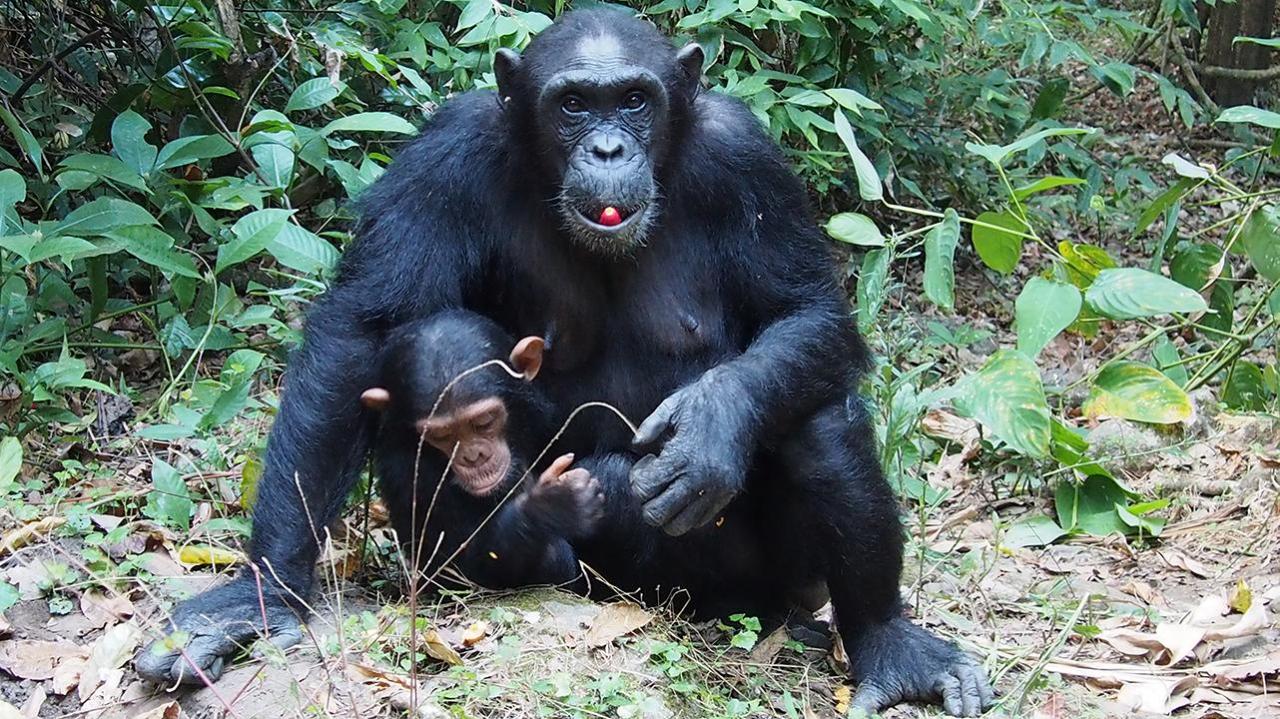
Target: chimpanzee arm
[[513, 549], [802, 352], [422, 246]]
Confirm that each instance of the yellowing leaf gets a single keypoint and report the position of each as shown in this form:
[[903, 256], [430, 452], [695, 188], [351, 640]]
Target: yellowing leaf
[[843, 695], [616, 620], [22, 536], [437, 648], [474, 633], [195, 555], [1241, 597], [1132, 390]]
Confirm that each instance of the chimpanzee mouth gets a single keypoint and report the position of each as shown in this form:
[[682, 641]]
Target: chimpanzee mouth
[[485, 483], [610, 219]]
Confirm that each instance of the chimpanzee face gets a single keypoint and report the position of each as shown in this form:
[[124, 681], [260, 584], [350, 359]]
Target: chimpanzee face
[[478, 431], [602, 110]]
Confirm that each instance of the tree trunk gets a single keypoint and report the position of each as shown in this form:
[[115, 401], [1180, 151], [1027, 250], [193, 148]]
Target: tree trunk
[[1227, 21]]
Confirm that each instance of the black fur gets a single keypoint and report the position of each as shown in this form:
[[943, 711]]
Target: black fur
[[727, 329]]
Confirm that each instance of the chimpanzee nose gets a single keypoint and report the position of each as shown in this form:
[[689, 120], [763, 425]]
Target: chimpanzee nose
[[607, 147], [472, 455]]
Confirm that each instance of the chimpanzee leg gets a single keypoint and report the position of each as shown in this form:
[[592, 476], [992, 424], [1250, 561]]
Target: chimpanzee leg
[[837, 508]]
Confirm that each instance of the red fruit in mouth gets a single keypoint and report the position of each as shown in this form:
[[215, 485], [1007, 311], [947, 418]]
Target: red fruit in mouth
[[610, 217]]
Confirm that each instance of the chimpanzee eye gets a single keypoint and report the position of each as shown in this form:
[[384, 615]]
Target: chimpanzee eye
[[634, 100], [572, 105], [484, 423]]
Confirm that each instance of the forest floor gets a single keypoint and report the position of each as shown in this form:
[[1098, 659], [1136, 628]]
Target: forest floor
[[1086, 627]]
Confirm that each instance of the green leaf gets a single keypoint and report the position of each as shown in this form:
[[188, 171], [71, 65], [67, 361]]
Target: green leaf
[[1044, 184], [1135, 517], [872, 279], [250, 235], [169, 502], [370, 122], [1163, 202], [939, 260], [1117, 76], [300, 249], [313, 93], [1168, 360], [129, 142], [1038, 530], [999, 249], [154, 247], [1196, 264], [1265, 41], [1126, 293], [851, 100], [1261, 241], [106, 168], [1090, 506], [1043, 309], [186, 150], [1007, 397], [61, 247], [1245, 389], [855, 229], [996, 154], [103, 215], [273, 151], [26, 141], [869, 187], [1132, 390], [1251, 115], [10, 462], [472, 13]]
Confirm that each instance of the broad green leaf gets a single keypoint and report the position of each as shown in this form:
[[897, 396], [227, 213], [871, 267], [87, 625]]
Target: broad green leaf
[[474, 12], [1083, 262], [1090, 506], [1038, 530], [26, 141], [1135, 517], [103, 215], [273, 151], [1168, 360], [872, 280], [1117, 76], [1185, 167], [1007, 397], [169, 501], [1245, 390], [996, 154], [1045, 184], [13, 189], [1070, 449], [129, 142], [313, 93], [370, 122], [250, 235], [1132, 390], [186, 150], [155, 247], [1266, 41], [60, 247], [855, 229], [107, 168], [999, 249], [1261, 241], [939, 260], [300, 249], [869, 186], [1251, 115], [1043, 309], [10, 462], [852, 100], [1163, 202], [1126, 293], [1195, 264]]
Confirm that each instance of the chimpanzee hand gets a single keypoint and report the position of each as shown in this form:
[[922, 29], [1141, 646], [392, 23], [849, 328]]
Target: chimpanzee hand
[[703, 464], [897, 661], [217, 625], [566, 502]]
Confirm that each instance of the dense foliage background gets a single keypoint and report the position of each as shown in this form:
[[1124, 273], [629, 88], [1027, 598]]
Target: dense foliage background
[[1000, 180]]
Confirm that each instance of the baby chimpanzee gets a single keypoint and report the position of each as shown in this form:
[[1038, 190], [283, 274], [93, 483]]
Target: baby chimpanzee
[[470, 432]]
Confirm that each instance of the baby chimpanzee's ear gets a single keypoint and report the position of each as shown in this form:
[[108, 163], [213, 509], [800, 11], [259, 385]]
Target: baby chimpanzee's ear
[[375, 398], [526, 358]]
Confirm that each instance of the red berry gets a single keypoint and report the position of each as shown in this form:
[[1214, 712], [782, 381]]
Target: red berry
[[610, 217]]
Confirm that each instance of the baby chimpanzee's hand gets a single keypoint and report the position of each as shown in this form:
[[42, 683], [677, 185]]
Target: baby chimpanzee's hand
[[566, 502]]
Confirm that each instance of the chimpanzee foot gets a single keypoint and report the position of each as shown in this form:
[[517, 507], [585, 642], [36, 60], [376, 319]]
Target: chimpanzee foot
[[208, 629], [897, 662]]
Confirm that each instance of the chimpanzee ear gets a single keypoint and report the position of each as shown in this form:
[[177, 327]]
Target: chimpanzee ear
[[506, 62], [690, 58], [526, 358], [375, 398]]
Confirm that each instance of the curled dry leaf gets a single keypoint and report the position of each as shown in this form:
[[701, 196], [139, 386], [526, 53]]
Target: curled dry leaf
[[438, 648], [1178, 560], [475, 633], [946, 426], [616, 620], [32, 659], [1174, 641], [108, 654], [102, 609], [1159, 695], [22, 536], [843, 695], [169, 710]]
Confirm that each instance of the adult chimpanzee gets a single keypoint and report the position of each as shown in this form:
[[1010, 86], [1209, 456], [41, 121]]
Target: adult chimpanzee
[[654, 235], [487, 429]]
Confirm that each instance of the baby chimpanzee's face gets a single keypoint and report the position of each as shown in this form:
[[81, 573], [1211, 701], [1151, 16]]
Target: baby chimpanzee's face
[[478, 431]]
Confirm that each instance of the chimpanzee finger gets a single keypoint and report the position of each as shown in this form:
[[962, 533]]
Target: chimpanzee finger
[[969, 692], [701, 510], [560, 465], [952, 695], [661, 420], [649, 477], [204, 651], [871, 698], [282, 638], [661, 510]]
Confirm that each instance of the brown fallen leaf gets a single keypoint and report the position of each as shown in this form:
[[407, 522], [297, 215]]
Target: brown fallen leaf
[[164, 711], [32, 659], [943, 425], [102, 609], [108, 654], [1178, 560], [616, 620], [843, 695], [439, 649], [475, 633], [22, 536], [1158, 696], [766, 649], [1053, 707]]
